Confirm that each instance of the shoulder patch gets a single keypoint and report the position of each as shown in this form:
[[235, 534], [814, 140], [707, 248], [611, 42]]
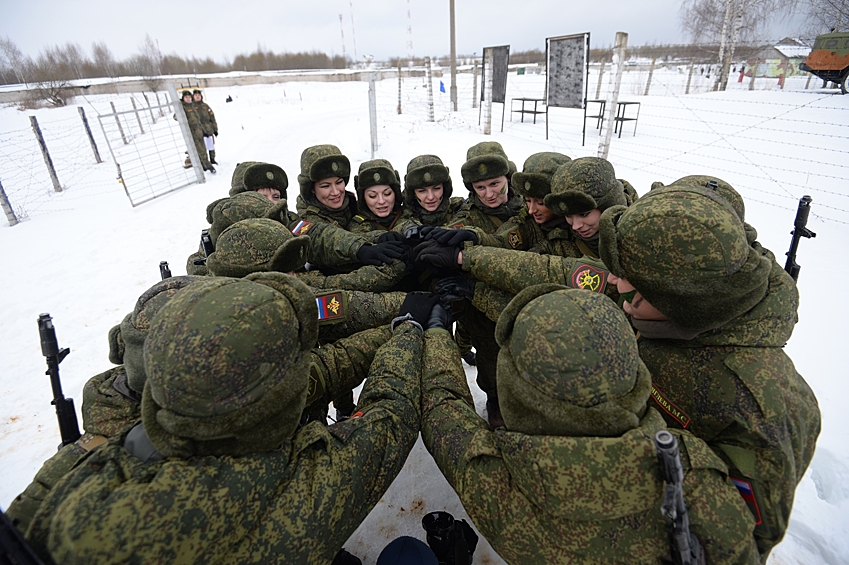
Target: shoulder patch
[[332, 306], [302, 227], [747, 491], [587, 277], [669, 408], [514, 238], [359, 218], [458, 225]]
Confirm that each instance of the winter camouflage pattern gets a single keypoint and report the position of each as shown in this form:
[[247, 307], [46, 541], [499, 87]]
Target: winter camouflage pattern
[[206, 116], [556, 499], [193, 118], [535, 179], [297, 504], [523, 233], [364, 310], [311, 210], [371, 278], [237, 181], [488, 220], [735, 388], [257, 244], [585, 184], [321, 162]]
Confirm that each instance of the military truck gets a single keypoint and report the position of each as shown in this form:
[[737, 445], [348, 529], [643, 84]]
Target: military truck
[[829, 59]]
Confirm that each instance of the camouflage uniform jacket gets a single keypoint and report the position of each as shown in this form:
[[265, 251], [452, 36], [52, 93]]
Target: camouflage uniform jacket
[[207, 118], [474, 214], [345, 312], [523, 233], [110, 409], [735, 388], [415, 215], [193, 118], [558, 499], [298, 504], [502, 273], [371, 226], [316, 213]]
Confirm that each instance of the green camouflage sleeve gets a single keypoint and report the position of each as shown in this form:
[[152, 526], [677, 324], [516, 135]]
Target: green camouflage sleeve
[[362, 310], [330, 245], [373, 278], [449, 421], [342, 365], [491, 301], [106, 411], [512, 270]]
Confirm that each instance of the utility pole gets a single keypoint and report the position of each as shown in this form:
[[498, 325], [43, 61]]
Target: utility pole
[[619, 48], [453, 61], [342, 29]]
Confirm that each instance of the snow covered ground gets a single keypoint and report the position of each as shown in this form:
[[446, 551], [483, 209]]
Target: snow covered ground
[[84, 255]]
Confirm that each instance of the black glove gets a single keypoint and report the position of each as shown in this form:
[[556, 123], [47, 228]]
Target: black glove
[[215, 133], [391, 236], [455, 237], [441, 256], [439, 318], [431, 232], [380, 254], [417, 307], [452, 289]]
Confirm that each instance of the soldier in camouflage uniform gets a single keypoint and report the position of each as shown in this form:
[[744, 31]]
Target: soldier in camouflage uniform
[[427, 194], [714, 312], [575, 477], [581, 191], [207, 123], [325, 173], [377, 184], [237, 181], [535, 228], [111, 400], [265, 178], [193, 118], [237, 484]]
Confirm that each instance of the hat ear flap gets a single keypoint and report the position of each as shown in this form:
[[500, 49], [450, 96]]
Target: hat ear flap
[[356, 182], [278, 212], [291, 255], [211, 208], [608, 238], [504, 327], [302, 300], [116, 344]]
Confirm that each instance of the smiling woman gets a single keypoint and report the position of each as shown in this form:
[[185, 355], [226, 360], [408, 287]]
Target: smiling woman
[[379, 196]]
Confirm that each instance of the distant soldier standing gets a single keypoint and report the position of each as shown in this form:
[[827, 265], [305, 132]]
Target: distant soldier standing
[[207, 123], [192, 117]]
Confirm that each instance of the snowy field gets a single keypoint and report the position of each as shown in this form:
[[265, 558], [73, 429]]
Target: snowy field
[[84, 255]]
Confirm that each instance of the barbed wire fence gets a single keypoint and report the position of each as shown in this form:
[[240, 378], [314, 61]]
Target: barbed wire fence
[[771, 152]]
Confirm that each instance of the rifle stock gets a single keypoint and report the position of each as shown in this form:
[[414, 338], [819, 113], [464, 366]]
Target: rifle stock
[[800, 230], [65, 412]]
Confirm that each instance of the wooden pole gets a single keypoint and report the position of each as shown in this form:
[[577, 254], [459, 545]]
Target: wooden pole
[[7, 207], [46, 154], [429, 86], [453, 88], [690, 75], [600, 77], [118, 121], [651, 72], [754, 72], [488, 62], [90, 136], [399, 86], [372, 113], [475, 84], [619, 47], [161, 113], [136, 110]]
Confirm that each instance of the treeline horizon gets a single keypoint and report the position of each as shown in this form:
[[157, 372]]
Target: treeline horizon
[[63, 63]]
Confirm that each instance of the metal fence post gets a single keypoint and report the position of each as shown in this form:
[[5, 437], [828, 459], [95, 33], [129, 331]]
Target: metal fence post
[[136, 110], [118, 121], [7, 207], [399, 86], [147, 101], [90, 136], [161, 113], [754, 73], [475, 84], [46, 154], [690, 75]]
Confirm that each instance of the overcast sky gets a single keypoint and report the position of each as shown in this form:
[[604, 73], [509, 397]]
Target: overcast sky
[[224, 28]]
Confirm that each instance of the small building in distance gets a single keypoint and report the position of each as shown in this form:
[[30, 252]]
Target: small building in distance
[[783, 58]]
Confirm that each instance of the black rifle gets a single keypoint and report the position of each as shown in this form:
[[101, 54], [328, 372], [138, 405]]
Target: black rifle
[[799, 231], [13, 549], [164, 270], [686, 549], [206, 245], [452, 541], [68, 426]]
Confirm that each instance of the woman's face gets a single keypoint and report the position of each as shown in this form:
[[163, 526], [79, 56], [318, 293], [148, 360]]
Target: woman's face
[[429, 197], [586, 224], [330, 192], [380, 199], [538, 210], [492, 192], [635, 305], [271, 193]]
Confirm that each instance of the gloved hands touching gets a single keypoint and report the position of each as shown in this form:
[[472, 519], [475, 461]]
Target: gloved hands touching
[[454, 288], [450, 237], [441, 256], [439, 318], [380, 253], [416, 308]]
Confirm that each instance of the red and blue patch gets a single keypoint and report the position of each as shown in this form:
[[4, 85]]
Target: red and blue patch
[[748, 494], [329, 306]]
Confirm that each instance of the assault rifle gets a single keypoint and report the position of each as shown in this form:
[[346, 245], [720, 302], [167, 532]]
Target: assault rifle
[[68, 426], [206, 245], [164, 270], [686, 549], [799, 231]]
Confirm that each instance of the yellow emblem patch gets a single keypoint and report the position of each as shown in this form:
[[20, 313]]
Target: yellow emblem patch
[[269, 175], [514, 238], [673, 411], [587, 277]]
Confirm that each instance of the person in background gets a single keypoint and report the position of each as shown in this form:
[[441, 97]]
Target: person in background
[[208, 124]]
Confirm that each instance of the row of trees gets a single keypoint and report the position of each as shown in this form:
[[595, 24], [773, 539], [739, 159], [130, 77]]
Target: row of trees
[[63, 63]]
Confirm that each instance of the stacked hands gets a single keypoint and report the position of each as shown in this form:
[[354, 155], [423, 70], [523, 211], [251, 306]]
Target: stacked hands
[[439, 248], [424, 310]]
